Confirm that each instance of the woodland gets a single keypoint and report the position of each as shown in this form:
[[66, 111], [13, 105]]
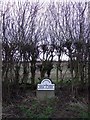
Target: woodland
[[34, 37]]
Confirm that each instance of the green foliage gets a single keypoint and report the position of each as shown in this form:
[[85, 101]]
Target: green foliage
[[65, 82], [37, 109], [84, 114], [81, 110], [46, 112]]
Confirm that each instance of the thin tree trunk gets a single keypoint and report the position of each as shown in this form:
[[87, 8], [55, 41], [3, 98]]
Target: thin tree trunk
[[33, 69], [89, 76], [71, 69], [57, 74]]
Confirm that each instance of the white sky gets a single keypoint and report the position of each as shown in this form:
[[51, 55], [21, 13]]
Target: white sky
[[47, 0]]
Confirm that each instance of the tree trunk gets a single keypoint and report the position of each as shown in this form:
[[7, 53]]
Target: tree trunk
[[71, 70], [25, 72], [89, 75], [33, 69], [57, 73]]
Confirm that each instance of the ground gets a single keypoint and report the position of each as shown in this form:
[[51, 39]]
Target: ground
[[62, 106]]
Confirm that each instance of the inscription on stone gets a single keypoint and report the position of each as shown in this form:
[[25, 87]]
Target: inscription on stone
[[46, 85]]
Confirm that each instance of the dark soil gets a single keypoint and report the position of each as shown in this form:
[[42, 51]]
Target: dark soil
[[62, 105]]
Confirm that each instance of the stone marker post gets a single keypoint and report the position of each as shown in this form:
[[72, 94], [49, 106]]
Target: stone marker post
[[45, 90]]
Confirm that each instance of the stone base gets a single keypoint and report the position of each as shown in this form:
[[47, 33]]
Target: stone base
[[44, 94]]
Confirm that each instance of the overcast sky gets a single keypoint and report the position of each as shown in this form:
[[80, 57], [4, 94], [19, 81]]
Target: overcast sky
[[47, 0]]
